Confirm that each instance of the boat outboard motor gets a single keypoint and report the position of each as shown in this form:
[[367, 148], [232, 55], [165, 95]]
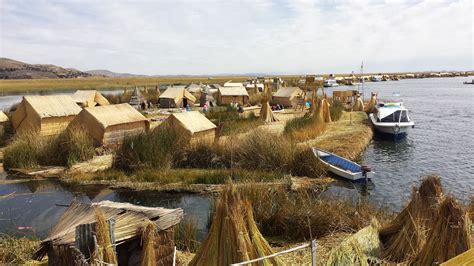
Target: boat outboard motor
[[365, 169]]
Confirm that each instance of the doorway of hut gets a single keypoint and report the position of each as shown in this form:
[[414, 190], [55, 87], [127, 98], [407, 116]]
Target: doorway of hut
[[185, 102]]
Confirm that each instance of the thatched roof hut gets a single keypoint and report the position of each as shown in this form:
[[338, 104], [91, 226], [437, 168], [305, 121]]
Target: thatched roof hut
[[65, 244], [287, 96], [110, 124], [175, 97], [49, 115], [89, 98], [228, 95], [192, 125], [3, 117]]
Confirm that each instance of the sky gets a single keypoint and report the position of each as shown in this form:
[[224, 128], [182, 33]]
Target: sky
[[201, 37]]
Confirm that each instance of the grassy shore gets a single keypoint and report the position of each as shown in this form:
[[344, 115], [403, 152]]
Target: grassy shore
[[100, 83]]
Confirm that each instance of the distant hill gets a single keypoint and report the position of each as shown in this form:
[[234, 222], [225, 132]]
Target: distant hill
[[12, 69], [108, 73]]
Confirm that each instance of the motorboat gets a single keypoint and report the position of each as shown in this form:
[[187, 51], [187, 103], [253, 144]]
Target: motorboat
[[343, 167], [467, 82], [330, 83], [391, 118]]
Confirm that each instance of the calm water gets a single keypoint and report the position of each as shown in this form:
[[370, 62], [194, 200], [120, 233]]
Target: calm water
[[36, 205], [441, 144]]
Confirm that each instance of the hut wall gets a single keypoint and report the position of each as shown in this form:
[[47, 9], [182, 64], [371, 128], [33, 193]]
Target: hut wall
[[51, 126], [87, 122], [167, 103], [285, 101], [26, 119], [225, 100], [115, 134], [207, 136]]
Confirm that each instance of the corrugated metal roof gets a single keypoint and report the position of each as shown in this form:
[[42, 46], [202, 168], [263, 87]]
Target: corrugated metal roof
[[233, 91], [53, 105], [287, 92], [115, 114], [194, 121]]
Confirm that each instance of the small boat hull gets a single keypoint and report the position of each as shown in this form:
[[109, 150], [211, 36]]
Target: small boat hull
[[398, 130], [342, 167]]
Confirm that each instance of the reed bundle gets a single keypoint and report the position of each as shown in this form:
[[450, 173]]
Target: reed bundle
[[358, 105], [449, 237], [148, 244], [234, 236], [266, 113], [405, 235], [371, 105], [105, 251]]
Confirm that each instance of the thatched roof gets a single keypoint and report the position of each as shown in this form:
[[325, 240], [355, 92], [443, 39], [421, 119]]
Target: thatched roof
[[193, 121], [84, 97], [177, 93], [53, 105], [129, 219], [233, 91], [287, 92], [3, 117], [115, 114], [193, 88]]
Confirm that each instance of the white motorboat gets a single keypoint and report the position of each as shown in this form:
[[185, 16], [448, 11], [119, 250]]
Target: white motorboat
[[330, 83], [391, 118]]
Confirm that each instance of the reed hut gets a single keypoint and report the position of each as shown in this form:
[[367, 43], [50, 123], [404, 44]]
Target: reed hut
[[49, 115], [89, 98], [232, 95], [137, 100], [72, 241], [193, 126], [287, 96], [110, 124], [176, 97]]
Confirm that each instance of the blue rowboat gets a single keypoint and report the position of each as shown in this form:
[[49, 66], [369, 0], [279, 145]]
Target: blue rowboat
[[343, 167]]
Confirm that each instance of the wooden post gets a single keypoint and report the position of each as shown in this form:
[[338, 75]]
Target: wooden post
[[313, 252], [84, 238]]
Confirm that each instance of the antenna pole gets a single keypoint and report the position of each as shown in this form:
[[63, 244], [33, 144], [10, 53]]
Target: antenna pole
[[362, 73]]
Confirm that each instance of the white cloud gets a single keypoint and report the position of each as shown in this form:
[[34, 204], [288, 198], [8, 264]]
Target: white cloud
[[210, 36]]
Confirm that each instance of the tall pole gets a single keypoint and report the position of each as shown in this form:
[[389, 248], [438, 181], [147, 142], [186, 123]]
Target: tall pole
[[362, 73]]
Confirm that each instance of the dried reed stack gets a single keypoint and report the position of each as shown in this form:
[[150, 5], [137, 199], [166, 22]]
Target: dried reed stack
[[449, 237], [405, 235], [266, 113], [326, 111], [105, 251], [318, 116], [148, 244], [371, 105], [358, 105], [234, 236]]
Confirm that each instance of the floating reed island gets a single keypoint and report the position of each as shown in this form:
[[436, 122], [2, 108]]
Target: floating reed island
[[197, 138]]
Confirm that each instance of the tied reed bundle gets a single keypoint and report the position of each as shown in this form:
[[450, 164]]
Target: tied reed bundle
[[234, 236], [358, 105], [105, 251], [449, 237], [148, 247], [405, 235], [371, 105]]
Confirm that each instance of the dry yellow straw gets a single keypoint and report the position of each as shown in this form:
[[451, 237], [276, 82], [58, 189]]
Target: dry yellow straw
[[106, 250], [148, 248]]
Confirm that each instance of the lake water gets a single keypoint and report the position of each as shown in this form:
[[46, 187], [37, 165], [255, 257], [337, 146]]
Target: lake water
[[441, 143]]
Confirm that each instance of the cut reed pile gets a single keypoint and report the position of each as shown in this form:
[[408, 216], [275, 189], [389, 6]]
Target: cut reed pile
[[17, 251], [404, 237], [358, 105], [358, 248], [234, 236], [449, 236], [371, 104]]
